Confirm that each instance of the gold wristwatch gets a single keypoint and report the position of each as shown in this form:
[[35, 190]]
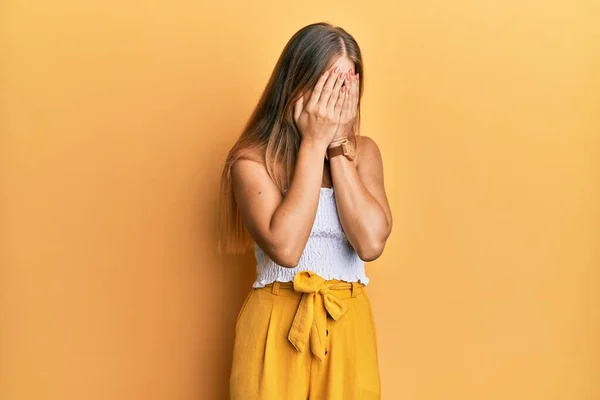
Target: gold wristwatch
[[345, 148]]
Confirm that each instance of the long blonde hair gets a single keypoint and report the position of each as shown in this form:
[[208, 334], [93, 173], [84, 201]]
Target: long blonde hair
[[271, 128]]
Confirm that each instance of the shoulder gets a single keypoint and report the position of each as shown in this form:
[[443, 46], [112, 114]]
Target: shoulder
[[365, 142], [256, 155], [247, 168], [249, 175], [367, 150]]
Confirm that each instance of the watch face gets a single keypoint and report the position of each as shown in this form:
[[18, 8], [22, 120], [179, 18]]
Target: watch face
[[350, 150]]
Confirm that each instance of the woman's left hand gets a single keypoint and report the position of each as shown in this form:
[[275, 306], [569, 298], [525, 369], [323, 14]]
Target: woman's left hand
[[349, 109]]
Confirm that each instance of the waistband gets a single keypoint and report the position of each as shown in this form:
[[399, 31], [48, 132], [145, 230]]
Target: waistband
[[320, 298], [342, 289]]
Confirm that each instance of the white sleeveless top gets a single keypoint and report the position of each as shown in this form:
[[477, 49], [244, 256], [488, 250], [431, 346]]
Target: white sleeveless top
[[328, 252]]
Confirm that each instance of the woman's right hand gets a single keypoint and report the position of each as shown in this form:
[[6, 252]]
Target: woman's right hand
[[318, 117]]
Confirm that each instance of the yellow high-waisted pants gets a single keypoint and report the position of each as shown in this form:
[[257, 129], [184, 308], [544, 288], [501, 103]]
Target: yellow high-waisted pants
[[307, 339]]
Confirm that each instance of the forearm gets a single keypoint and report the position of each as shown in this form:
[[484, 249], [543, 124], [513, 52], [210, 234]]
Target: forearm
[[294, 218], [362, 217]]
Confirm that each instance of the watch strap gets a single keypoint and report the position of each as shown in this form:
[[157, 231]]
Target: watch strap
[[335, 151]]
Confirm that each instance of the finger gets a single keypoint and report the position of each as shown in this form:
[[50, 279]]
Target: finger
[[339, 104], [316, 92], [336, 92], [353, 94], [347, 103], [343, 101], [298, 107], [347, 107], [347, 93], [328, 88]]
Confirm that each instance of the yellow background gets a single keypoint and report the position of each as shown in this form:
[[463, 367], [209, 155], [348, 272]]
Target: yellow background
[[116, 117]]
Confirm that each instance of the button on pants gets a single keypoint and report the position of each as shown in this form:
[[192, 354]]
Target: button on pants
[[307, 339]]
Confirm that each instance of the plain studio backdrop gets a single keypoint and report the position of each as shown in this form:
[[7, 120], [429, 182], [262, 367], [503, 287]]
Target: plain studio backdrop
[[116, 118]]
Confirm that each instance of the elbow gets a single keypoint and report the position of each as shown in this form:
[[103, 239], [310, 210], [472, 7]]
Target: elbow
[[287, 257], [374, 248], [371, 252]]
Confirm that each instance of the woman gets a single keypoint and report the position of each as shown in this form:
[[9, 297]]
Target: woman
[[306, 191]]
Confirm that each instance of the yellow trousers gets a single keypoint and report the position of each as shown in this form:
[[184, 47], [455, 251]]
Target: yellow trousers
[[307, 339]]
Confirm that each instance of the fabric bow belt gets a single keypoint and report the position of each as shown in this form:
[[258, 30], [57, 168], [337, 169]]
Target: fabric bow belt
[[310, 321]]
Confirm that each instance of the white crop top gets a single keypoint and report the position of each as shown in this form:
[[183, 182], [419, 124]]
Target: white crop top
[[328, 252]]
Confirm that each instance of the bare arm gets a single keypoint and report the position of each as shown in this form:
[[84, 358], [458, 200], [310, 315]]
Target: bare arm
[[361, 200], [280, 225]]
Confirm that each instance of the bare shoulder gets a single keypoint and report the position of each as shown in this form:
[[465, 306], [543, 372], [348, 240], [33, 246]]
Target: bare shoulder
[[367, 151], [257, 155], [249, 176]]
